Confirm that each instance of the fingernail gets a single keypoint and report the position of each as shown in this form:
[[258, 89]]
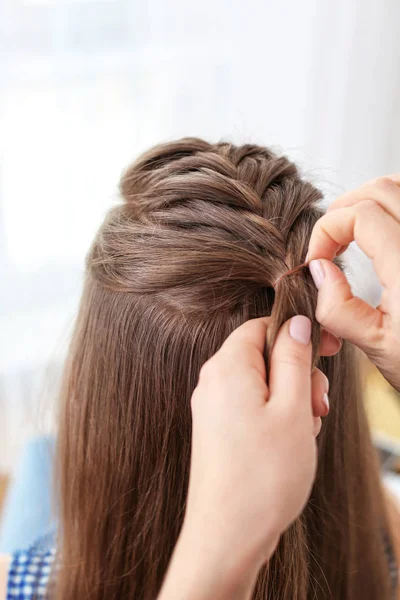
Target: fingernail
[[317, 272], [326, 401], [300, 329]]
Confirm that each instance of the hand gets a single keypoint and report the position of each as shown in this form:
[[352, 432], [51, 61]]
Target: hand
[[369, 215], [253, 458]]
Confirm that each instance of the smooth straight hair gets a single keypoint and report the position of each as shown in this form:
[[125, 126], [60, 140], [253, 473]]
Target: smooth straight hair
[[193, 249]]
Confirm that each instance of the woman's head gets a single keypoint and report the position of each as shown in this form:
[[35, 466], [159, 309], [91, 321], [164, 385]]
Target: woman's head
[[192, 251]]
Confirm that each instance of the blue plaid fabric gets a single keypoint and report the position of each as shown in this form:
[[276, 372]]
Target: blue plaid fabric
[[29, 573]]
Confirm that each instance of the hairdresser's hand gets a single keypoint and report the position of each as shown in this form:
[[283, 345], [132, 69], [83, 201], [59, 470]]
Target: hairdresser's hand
[[369, 215], [253, 458]]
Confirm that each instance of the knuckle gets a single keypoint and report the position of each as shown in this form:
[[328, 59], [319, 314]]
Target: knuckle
[[383, 183], [324, 314], [300, 427], [207, 370], [366, 206], [328, 306], [296, 358], [215, 368]]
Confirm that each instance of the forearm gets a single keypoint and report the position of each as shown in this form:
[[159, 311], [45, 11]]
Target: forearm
[[200, 569], [190, 580]]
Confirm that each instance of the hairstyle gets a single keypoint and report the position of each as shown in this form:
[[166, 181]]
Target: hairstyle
[[191, 252]]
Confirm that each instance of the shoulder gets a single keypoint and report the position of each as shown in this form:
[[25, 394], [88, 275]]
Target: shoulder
[[5, 560]]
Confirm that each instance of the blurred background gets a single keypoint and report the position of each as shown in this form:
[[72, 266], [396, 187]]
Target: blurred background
[[87, 84]]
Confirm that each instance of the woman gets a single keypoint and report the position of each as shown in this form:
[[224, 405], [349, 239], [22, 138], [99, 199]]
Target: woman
[[200, 246]]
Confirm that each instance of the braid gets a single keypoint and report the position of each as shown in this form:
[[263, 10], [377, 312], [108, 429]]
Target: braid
[[206, 227], [194, 249]]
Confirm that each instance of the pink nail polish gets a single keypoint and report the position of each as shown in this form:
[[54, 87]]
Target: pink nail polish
[[300, 329], [326, 401], [317, 272]]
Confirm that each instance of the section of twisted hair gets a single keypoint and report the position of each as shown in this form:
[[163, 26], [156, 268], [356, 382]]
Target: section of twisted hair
[[205, 227]]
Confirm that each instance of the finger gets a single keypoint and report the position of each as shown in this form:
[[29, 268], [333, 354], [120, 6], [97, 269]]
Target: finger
[[238, 365], [342, 313], [329, 344], [319, 393], [244, 348], [375, 231], [290, 370], [383, 190]]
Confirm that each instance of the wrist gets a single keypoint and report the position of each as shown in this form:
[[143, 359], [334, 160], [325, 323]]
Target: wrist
[[203, 567], [235, 551]]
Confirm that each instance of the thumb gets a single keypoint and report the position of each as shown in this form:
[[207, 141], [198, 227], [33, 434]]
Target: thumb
[[339, 311], [290, 370]]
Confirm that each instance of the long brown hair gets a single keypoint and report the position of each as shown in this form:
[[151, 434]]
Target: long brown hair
[[190, 253]]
